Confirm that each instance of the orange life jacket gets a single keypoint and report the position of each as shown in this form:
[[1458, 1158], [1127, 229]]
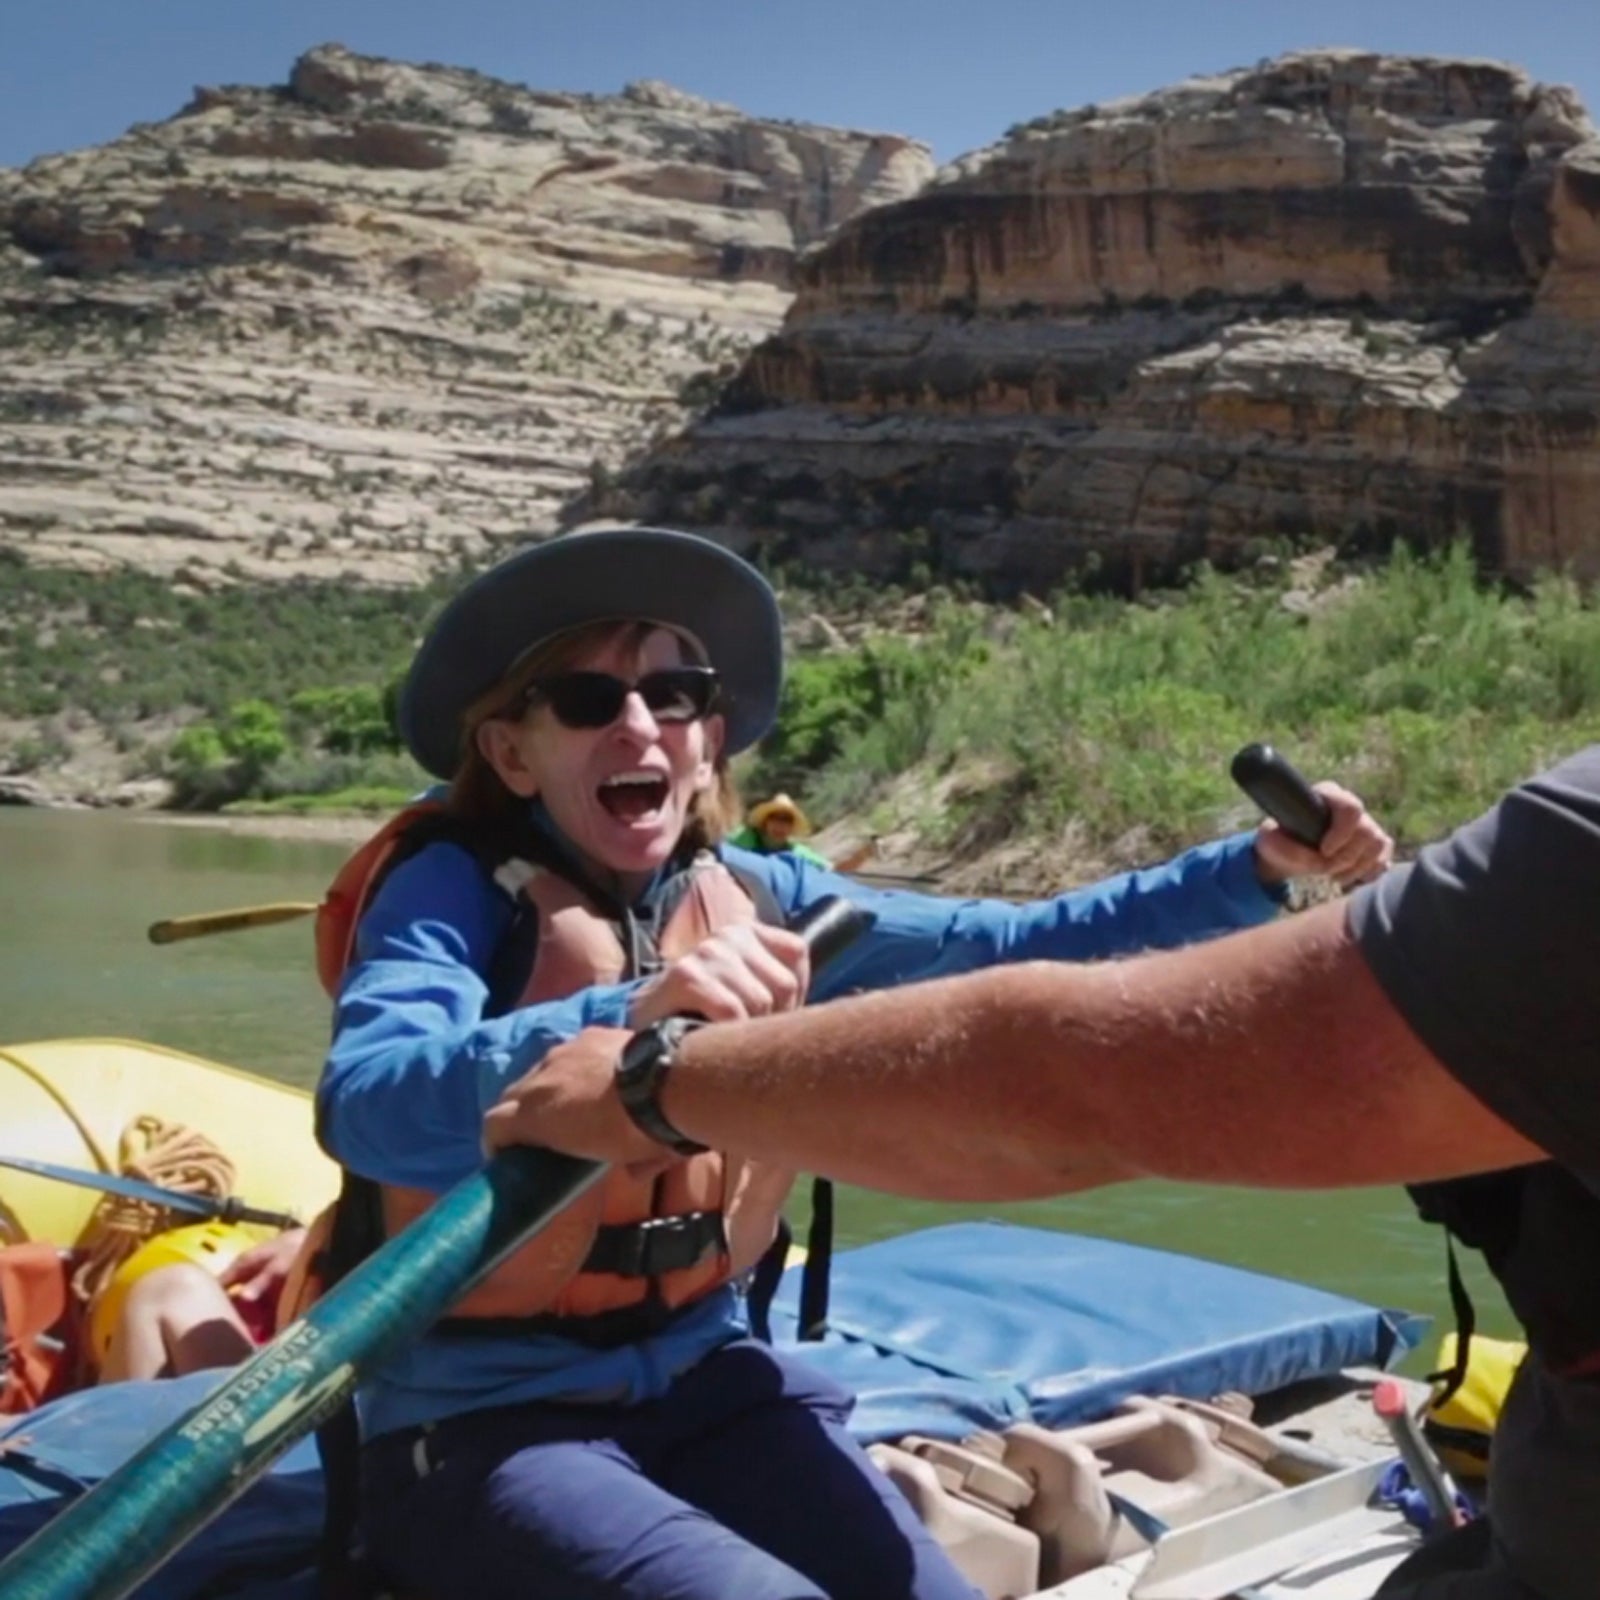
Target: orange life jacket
[[38, 1326], [339, 913], [631, 1251]]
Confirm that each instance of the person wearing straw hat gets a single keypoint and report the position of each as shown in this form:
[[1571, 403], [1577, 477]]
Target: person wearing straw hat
[[777, 823], [595, 1419]]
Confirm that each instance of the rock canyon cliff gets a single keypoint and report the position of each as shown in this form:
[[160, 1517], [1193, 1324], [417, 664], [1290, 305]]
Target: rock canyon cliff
[[1339, 297], [384, 315]]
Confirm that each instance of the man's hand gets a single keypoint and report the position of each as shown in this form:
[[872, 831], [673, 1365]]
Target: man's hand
[[1354, 849], [749, 970], [569, 1102]]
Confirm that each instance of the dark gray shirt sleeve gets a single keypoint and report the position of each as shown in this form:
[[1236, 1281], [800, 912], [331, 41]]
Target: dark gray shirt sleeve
[[1489, 946]]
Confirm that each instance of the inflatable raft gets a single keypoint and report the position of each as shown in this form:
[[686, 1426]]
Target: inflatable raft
[[71, 1101], [1049, 1402]]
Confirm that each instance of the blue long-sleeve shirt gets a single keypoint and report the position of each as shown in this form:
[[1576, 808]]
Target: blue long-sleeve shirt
[[415, 1062]]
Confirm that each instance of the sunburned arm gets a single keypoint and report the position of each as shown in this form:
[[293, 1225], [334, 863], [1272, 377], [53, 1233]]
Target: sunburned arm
[[1269, 1058]]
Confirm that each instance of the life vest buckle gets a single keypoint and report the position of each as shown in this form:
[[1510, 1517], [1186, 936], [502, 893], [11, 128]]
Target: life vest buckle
[[657, 1245]]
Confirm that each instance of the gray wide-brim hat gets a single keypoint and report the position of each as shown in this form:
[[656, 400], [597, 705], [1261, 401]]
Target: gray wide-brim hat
[[654, 574]]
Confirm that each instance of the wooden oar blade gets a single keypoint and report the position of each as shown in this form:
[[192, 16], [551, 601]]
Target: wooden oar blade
[[171, 929]]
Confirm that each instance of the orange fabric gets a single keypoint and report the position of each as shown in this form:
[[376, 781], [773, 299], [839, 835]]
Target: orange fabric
[[40, 1326], [346, 897]]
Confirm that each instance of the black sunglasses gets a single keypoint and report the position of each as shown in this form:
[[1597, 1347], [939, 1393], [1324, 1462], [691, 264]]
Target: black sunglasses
[[595, 699]]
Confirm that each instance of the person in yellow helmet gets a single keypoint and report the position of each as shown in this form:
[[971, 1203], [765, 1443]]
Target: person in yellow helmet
[[189, 1298], [204, 1295], [777, 824]]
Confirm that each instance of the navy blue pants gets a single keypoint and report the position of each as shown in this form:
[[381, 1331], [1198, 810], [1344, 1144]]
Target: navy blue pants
[[741, 1483]]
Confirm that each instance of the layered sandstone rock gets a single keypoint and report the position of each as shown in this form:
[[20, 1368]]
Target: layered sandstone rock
[[382, 314], [1340, 296]]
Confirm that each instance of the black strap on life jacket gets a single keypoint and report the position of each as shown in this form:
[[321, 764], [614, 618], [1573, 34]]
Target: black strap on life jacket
[[815, 1274], [647, 1249], [1484, 1213], [356, 1232], [657, 1245], [1526, 1221], [764, 1282], [341, 1574], [1452, 1377]]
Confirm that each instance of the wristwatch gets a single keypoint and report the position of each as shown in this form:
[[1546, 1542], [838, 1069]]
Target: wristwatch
[[642, 1070]]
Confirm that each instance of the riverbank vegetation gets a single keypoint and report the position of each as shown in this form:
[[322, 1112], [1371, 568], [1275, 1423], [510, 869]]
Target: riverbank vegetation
[[968, 724], [1418, 685]]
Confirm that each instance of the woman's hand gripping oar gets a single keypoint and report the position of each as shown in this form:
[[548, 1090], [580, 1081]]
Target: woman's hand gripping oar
[[106, 1544], [1324, 831]]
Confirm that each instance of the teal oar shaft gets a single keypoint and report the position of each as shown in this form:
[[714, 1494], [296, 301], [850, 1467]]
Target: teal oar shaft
[[104, 1545], [196, 1205]]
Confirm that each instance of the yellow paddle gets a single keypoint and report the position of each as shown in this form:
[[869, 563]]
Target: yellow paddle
[[203, 922]]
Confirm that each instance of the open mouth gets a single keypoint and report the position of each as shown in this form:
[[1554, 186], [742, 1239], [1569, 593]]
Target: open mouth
[[632, 796]]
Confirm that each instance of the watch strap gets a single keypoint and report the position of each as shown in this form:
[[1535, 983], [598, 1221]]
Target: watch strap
[[642, 1072]]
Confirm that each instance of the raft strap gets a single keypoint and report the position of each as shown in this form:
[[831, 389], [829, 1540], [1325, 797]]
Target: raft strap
[[1453, 1376], [817, 1271]]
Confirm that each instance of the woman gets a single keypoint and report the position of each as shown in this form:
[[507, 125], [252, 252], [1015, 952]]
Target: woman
[[593, 1420]]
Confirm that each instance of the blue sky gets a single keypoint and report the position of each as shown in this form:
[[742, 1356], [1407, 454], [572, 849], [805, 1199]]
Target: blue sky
[[78, 72]]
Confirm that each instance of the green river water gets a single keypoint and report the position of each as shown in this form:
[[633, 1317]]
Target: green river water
[[81, 888]]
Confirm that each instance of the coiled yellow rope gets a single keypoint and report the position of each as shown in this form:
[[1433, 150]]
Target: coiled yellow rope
[[164, 1153]]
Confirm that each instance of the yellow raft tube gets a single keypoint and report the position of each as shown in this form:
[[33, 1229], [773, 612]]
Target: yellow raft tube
[[68, 1101]]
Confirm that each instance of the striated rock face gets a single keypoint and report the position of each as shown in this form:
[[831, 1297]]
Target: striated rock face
[[384, 313], [1340, 296]]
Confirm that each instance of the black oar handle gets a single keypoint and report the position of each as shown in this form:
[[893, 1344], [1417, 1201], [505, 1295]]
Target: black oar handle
[[1282, 792], [232, 1210], [829, 926]]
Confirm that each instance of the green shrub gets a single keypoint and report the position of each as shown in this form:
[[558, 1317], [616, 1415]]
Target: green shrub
[[34, 752], [887, 690], [127, 644], [1423, 687], [346, 721], [201, 773]]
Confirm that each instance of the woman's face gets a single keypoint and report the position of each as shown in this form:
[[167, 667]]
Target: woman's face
[[619, 794]]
